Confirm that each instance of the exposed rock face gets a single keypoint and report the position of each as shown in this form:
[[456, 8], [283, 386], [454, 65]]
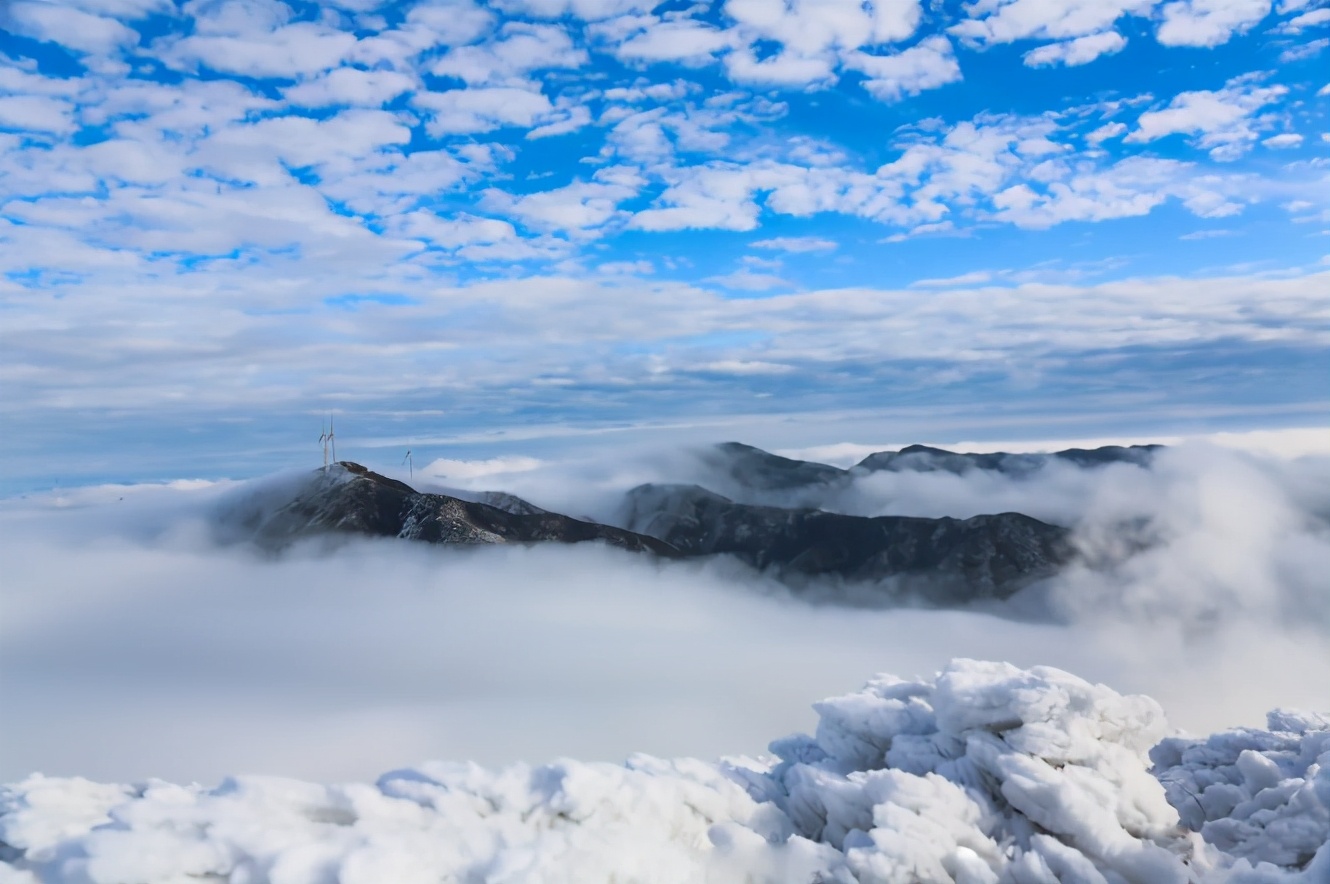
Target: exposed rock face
[[347, 497], [947, 560]]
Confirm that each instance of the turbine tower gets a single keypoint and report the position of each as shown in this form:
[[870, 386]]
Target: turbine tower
[[411, 464], [328, 438]]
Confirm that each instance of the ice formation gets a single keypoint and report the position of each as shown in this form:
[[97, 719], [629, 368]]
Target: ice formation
[[987, 773]]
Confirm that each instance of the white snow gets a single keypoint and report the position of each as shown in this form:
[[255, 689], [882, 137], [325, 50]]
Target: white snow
[[986, 773]]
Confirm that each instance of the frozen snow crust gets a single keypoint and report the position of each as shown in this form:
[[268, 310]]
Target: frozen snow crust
[[987, 773]]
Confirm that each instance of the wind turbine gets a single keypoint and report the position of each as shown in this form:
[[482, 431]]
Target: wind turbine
[[326, 438], [411, 464]]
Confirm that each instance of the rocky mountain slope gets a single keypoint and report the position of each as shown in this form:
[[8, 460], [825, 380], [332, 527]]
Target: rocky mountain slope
[[947, 560], [347, 497]]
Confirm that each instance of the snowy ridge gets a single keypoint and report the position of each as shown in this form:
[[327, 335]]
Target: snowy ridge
[[987, 773]]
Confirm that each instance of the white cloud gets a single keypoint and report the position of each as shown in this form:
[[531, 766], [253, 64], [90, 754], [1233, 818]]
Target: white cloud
[[810, 27], [1081, 50], [679, 40], [749, 281], [785, 69], [489, 468], [236, 18], [1105, 132], [134, 162], [1006, 21], [718, 196], [37, 113], [795, 244], [302, 141], [929, 65], [386, 182], [1283, 140], [810, 34], [645, 90], [16, 80], [1309, 49], [290, 51], [349, 86], [746, 367], [975, 277], [1208, 22], [1314, 19], [481, 110], [456, 232], [187, 110], [588, 10], [1225, 122], [127, 9], [74, 28], [1133, 186], [561, 122], [626, 268], [258, 184], [445, 23], [517, 50], [577, 207]]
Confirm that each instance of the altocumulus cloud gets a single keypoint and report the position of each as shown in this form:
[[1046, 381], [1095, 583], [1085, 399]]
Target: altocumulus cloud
[[223, 211]]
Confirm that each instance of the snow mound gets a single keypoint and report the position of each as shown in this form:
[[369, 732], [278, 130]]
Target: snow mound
[[985, 774], [1262, 797]]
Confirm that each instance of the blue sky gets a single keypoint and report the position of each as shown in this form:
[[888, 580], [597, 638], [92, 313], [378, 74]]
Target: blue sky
[[473, 227]]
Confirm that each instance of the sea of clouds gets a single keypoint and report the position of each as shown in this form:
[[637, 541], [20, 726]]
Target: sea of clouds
[[138, 645]]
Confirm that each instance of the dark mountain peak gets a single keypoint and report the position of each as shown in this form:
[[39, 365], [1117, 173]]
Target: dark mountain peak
[[924, 449], [738, 448], [348, 498], [1090, 457], [944, 560], [363, 472], [761, 470], [923, 458]]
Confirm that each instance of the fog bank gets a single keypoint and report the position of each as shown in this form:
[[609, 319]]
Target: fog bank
[[136, 646]]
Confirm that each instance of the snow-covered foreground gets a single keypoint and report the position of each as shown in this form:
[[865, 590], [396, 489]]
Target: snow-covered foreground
[[988, 773]]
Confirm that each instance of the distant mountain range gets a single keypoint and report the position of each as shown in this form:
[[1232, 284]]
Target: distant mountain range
[[942, 561], [742, 471]]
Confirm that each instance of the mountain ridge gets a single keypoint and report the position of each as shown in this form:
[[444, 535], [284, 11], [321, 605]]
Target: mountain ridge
[[349, 498]]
